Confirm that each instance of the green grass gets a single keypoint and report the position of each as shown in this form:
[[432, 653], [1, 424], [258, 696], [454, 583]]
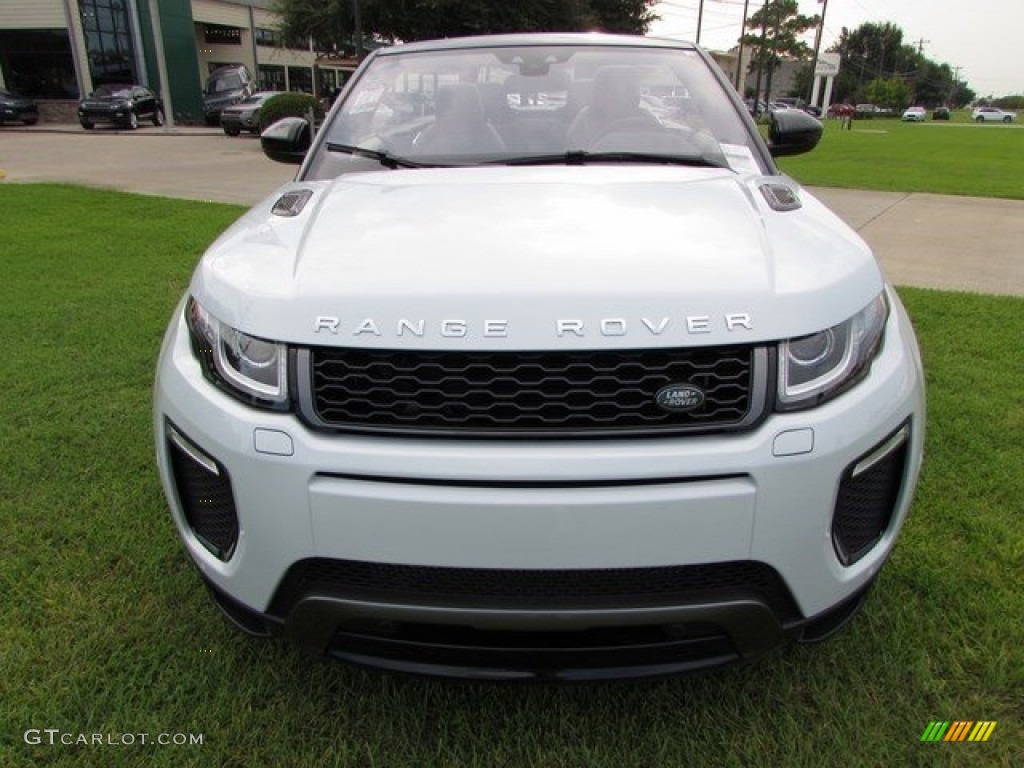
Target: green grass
[[104, 627], [959, 159]]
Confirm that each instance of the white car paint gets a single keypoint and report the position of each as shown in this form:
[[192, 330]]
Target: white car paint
[[549, 258]]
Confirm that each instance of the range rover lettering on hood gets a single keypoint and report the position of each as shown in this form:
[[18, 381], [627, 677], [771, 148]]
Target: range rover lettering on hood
[[562, 327]]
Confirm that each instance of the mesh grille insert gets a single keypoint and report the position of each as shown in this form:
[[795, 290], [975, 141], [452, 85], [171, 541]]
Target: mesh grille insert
[[539, 589], [865, 505], [206, 500], [536, 393]]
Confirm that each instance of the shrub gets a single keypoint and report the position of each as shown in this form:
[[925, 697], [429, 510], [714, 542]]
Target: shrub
[[288, 105]]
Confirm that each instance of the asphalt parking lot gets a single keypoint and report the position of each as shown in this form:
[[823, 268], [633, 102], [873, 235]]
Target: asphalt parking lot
[[932, 241]]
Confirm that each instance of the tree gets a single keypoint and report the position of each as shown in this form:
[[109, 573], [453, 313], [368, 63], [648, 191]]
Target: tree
[[892, 93], [961, 95], [631, 17], [331, 24], [876, 51], [778, 27], [867, 53]]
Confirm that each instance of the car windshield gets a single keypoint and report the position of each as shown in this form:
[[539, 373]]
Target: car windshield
[[542, 104], [106, 91], [229, 81]]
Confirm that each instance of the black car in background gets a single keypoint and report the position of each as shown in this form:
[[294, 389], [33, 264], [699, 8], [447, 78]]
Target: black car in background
[[17, 109], [245, 115], [120, 105]]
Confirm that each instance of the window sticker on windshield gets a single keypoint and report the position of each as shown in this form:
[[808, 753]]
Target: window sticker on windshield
[[740, 158]]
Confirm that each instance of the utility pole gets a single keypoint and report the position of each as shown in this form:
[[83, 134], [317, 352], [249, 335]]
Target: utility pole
[[760, 54], [700, 19], [357, 18], [739, 58], [773, 62], [920, 46], [956, 85]]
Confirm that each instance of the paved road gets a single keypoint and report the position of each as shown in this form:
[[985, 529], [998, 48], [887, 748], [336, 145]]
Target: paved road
[[933, 241]]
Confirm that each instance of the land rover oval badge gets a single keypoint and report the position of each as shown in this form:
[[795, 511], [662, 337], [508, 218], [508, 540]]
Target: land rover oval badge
[[679, 398]]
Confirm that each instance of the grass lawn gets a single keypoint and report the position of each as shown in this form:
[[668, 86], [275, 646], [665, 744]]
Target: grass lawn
[[954, 158], [105, 628]]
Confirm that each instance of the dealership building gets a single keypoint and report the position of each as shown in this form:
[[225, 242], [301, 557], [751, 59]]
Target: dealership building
[[54, 51]]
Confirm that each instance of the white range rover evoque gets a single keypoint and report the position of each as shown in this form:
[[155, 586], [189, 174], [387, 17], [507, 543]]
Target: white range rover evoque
[[539, 368]]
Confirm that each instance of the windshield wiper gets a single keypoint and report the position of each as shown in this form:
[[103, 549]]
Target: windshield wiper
[[582, 157], [384, 158]]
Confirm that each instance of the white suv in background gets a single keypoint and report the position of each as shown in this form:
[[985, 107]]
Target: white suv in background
[[539, 368], [992, 115]]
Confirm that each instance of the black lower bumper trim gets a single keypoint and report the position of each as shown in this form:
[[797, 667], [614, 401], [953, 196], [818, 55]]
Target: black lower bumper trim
[[473, 664], [536, 644], [523, 644]]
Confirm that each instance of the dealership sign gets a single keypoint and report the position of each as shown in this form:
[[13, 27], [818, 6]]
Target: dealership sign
[[827, 66]]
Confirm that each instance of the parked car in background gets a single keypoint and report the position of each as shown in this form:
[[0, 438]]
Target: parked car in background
[[226, 86], [915, 115], [866, 111], [245, 115], [940, 113], [760, 110], [120, 105], [992, 115], [841, 110], [17, 109]]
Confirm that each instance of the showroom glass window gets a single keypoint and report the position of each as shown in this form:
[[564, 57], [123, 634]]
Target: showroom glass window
[[37, 63], [271, 78], [108, 38], [300, 79]]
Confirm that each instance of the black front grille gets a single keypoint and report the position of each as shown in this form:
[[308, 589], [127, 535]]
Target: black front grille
[[866, 503], [531, 393], [533, 589], [204, 492]]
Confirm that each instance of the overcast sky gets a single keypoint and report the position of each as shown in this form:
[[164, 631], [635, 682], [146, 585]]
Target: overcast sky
[[983, 37]]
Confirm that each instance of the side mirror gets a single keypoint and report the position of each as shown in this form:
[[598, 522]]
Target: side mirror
[[793, 132], [287, 140]]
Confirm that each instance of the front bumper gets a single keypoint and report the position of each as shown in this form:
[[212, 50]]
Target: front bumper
[[21, 113], [238, 122], [113, 116], [394, 551]]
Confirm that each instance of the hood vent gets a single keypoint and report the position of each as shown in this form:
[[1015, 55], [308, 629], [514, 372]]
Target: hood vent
[[781, 197], [291, 203]]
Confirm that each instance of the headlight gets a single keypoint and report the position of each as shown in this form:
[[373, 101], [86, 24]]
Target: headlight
[[817, 367], [249, 367]]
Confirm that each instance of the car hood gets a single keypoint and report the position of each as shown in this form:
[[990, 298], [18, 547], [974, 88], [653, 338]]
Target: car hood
[[539, 257]]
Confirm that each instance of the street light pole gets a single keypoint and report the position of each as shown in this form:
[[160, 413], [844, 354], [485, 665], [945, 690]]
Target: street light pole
[[817, 50]]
